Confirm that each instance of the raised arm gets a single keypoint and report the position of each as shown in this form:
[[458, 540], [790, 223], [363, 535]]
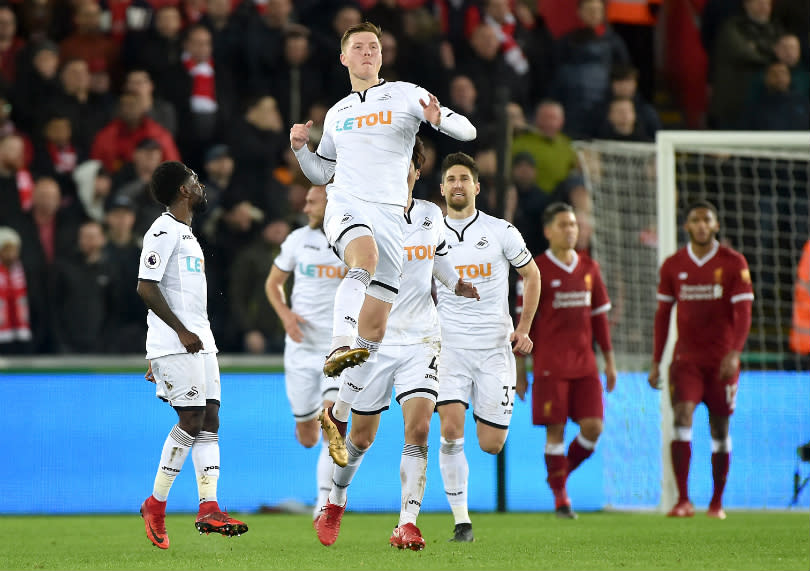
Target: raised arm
[[318, 169], [446, 121]]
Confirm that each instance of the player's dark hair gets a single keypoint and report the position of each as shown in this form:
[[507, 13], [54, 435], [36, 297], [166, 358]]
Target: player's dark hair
[[554, 209], [167, 180], [462, 159], [623, 71], [418, 155], [701, 204], [356, 29]]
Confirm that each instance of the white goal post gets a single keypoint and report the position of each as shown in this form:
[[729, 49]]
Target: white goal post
[[759, 183]]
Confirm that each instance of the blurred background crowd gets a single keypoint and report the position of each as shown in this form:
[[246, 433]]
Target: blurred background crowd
[[94, 94]]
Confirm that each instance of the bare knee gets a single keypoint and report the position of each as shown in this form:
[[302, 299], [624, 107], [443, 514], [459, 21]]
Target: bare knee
[[492, 447], [682, 414], [416, 431], [191, 421], [361, 439], [308, 433], [591, 428]]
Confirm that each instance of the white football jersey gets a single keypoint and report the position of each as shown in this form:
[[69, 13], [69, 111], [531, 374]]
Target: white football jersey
[[317, 272], [482, 252], [371, 135], [172, 257], [413, 317]]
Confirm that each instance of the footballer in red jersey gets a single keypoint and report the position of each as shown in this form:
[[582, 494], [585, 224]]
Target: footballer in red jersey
[[711, 286], [572, 312]]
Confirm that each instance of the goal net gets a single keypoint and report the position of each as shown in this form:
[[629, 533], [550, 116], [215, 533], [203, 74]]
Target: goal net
[[759, 183]]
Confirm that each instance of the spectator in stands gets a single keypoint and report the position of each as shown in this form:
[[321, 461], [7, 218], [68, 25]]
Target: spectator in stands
[[55, 154], [250, 312], [531, 202], [263, 44], [464, 99], [256, 141], [115, 143], [48, 232], [744, 46], [16, 184], [158, 50], [93, 187], [147, 156], [218, 167], [779, 108], [624, 84], [225, 31], [126, 327], [299, 79], [584, 60], [87, 111], [487, 67], [204, 96], [36, 85], [10, 44], [88, 42], [15, 328], [787, 51], [552, 151], [125, 17], [80, 294], [621, 122], [137, 81]]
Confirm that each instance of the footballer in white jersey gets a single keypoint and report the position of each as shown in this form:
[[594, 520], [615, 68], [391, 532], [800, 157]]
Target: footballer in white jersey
[[181, 352], [477, 365], [317, 271], [407, 361]]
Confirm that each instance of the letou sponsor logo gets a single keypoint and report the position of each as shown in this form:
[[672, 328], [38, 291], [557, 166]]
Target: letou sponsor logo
[[473, 271], [350, 123], [420, 252]]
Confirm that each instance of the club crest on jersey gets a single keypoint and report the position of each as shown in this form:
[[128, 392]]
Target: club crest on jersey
[[346, 218], [718, 275], [427, 224], [152, 260], [588, 282], [482, 243]]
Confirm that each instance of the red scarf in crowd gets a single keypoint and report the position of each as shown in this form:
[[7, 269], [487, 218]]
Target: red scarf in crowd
[[506, 37], [63, 158], [203, 87], [14, 323], [25, 187]]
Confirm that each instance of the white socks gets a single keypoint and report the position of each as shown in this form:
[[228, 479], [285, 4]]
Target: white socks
[[412, 469], [324, 476], [349, 299], [175, 449], [205, 455], [455, 475], [342, 477]]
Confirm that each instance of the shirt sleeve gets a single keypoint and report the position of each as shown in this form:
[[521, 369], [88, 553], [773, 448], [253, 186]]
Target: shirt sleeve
[[159, 243], [666, 293], [285, 261], [326, 148], [600, 302], [741, 288], [514, 247]]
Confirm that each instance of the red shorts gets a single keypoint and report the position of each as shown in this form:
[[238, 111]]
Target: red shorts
[[555, 400], [697, 383]]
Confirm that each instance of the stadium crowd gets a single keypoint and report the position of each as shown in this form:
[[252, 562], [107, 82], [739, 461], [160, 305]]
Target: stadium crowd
[[94, 95]]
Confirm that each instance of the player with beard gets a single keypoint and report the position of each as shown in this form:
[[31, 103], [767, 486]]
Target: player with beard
[[711, 286], [181, 351], [477, 362]]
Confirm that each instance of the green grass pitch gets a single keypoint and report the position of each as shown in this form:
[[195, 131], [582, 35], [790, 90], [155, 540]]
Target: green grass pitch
[[746, 540]]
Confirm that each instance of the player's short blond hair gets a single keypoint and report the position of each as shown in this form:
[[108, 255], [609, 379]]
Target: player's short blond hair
[[356, 29]]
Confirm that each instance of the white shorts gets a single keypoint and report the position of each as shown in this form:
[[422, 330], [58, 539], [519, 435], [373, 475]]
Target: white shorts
[[411, 369], [347, 218], [484, 378], [307, 387], [186, 380]]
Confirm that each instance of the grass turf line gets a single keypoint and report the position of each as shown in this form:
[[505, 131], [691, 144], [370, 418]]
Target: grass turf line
[[746, 540]]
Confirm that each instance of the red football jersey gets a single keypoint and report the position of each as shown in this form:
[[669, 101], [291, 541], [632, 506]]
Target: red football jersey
[[561, 331], [705, 290]]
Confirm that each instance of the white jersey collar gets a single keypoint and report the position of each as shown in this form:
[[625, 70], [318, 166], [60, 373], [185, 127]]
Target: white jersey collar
[[569, 268], [699, 262]]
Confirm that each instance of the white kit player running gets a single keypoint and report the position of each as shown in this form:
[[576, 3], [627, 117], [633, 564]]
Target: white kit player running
[[316, 271], [408, 361], [181, 351], [478, 364], [366, 145]]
